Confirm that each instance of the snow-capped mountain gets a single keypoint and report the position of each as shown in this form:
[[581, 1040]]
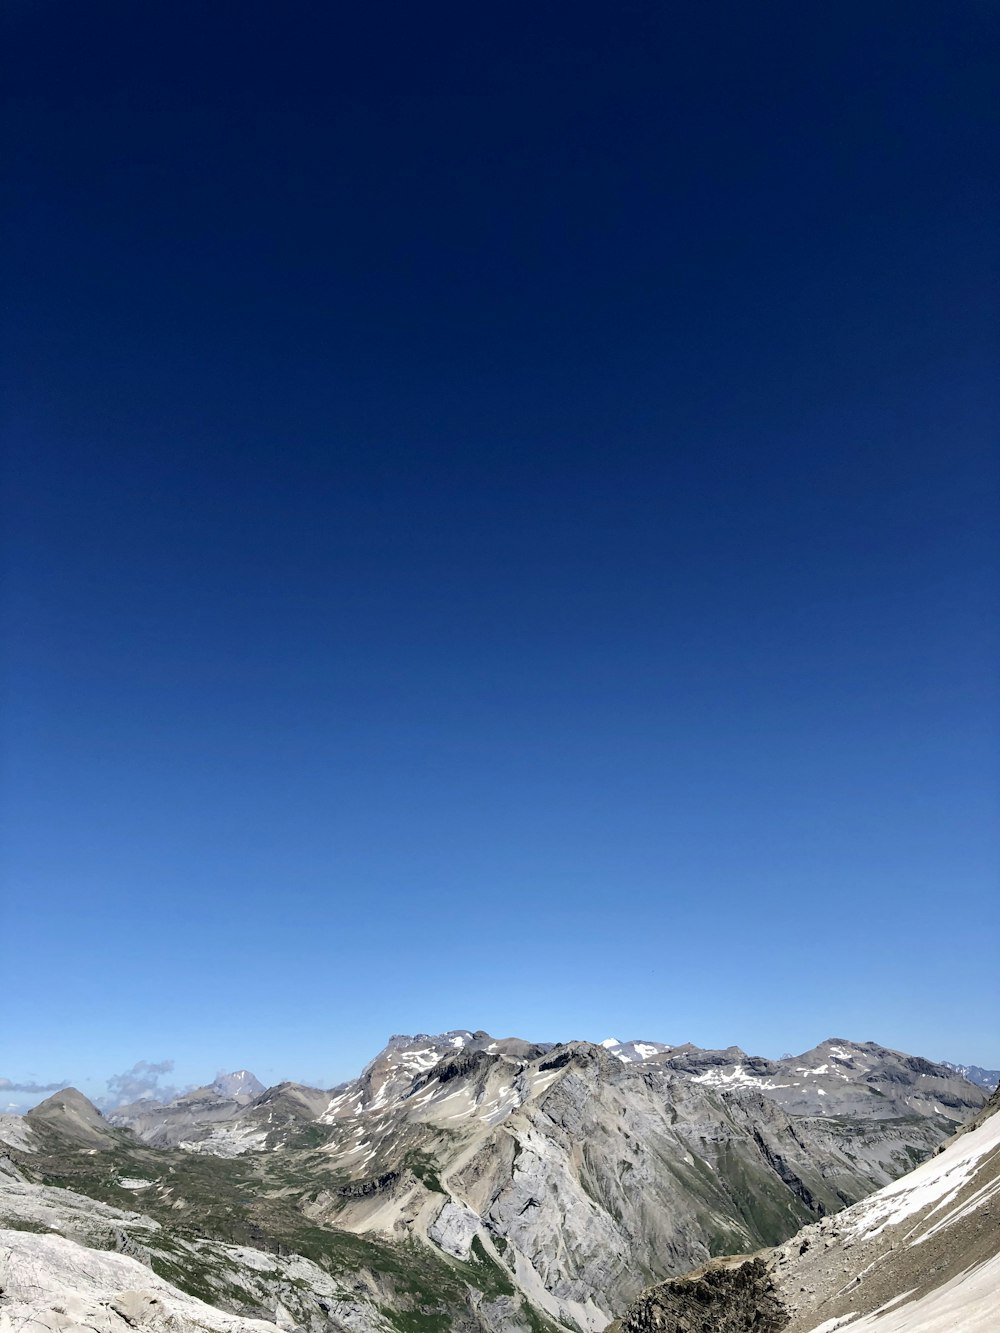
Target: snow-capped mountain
[[839, 1077]]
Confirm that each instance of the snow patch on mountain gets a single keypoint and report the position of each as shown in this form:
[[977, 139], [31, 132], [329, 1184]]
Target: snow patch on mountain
[[635, 1052], [936, 1181]]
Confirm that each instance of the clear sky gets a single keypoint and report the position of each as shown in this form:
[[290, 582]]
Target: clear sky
[[500, 529]]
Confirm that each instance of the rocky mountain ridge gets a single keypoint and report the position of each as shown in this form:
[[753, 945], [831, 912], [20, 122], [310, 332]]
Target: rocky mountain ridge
[[837, 1077], [494, 1185], [166, 1123]]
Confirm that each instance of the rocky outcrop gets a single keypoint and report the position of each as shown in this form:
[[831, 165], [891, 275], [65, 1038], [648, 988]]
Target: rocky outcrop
[[725, 1297], [50, 1284], [363, 1189], [454, 1229], [68, 1262]]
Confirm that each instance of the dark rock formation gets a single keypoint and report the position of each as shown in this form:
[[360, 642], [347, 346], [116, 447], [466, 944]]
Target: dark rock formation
[[722, 1298]]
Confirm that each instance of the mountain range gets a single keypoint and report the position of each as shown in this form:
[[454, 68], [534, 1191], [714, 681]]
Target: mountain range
[[464, 1182], [983, 1078]]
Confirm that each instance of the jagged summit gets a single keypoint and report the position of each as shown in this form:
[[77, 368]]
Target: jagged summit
[[988, 1079], [171, 1122]]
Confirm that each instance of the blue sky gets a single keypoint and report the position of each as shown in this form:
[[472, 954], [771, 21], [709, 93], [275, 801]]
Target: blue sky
[[500, 532]]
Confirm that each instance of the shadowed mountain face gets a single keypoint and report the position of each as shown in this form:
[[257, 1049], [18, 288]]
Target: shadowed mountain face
[[487, 1183], [921, 1254]]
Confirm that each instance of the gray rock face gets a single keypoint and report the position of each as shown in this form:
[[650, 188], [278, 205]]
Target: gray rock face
[[610, 1176], [591, 1169], [67, 1261], [454, 1229], [240, 1086], [14, 1133]]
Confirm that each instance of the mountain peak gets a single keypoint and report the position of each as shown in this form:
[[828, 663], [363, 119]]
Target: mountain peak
[[71, 1115], [240, 1085], [68, 1100]]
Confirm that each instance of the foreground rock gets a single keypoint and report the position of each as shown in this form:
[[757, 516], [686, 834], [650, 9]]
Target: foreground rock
[[50, 1284], [728, 1296]]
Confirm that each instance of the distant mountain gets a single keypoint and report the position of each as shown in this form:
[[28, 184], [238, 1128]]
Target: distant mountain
[[241, 1086], [983, 1078], [920, 1254], [170, 1123], [472, 1184]]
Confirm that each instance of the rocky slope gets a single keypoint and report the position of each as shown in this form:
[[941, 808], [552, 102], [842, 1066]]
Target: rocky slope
[[471, 1183], [921, 1255], [53, 1284]]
